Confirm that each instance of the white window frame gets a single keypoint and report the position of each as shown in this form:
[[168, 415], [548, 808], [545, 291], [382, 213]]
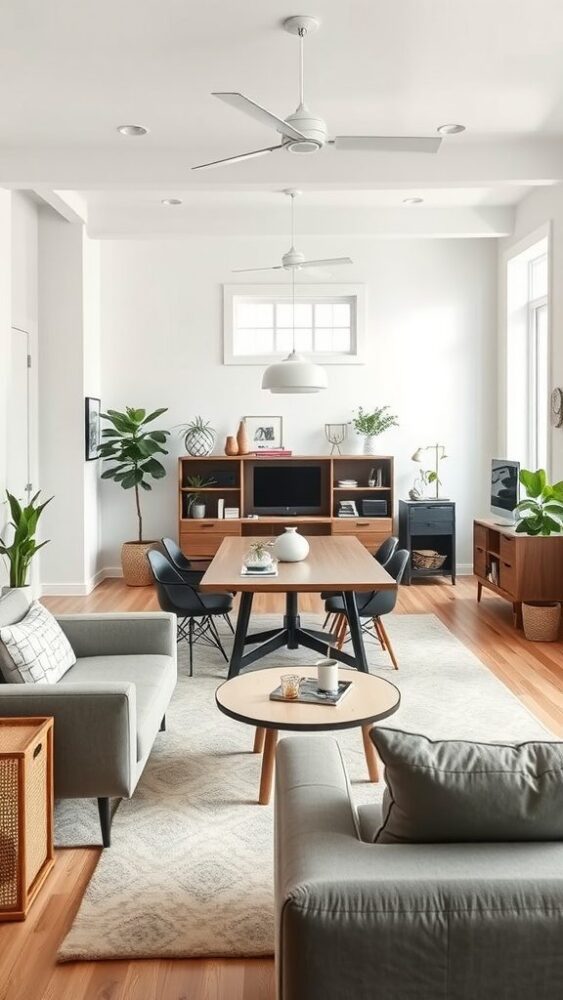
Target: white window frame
[[317, 293]]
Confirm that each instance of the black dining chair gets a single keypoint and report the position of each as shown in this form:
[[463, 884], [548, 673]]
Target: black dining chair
[[372, 606], [383, 555], [195, 611], [186, 568]]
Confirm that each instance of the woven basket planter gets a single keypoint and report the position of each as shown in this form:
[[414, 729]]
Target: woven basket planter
[[135, 565], [541, 622], [427, 559]]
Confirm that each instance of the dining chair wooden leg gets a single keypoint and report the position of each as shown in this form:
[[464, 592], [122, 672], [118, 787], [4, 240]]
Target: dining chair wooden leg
[[378, 633], [370, 754], [388, 645], [268, 761], [259, 737], [342, 628]]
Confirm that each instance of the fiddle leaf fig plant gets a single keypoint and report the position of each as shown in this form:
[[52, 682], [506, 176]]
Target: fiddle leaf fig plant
[[23, 546], [132, 447], [541, 512]]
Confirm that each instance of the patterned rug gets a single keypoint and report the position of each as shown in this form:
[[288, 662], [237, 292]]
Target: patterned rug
[[190, 869]]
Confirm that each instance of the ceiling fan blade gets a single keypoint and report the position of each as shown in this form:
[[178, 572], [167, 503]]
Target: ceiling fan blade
[[260, 114], [243, 270], [327, 262], [239, 158], [388, 143]]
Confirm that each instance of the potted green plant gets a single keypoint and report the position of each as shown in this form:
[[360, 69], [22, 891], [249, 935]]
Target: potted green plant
[[540, 513], [196, 507], [199, 437], [371, 424], [23, 545], [131, 448], [259, 555]]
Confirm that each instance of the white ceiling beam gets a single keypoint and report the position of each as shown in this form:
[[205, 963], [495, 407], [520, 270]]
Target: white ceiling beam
[[69, 204]]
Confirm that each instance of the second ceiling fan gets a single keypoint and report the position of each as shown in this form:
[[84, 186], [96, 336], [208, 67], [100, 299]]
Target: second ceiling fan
[[294, 260], [303, 131]]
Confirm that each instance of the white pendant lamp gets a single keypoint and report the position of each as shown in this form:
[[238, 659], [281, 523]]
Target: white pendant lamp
[[294, 375]]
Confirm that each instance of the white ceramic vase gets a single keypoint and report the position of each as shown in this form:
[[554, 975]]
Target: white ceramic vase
[[370, 444], [291, 546], [198, 510], [23, 590]]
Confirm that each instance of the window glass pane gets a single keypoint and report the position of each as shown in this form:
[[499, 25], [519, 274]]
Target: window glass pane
[[304, 340], [284, 314], [284, 341], [541, 387], [323, 340], [303, 314], [538, 277], [341, 313], [342, 341], [323, 314], [254, 342], [255, 314]]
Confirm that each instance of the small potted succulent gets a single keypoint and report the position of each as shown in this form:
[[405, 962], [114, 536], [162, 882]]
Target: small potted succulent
[[199, 437], [540, 514], [196, 506], [259, 555], [371, 425]]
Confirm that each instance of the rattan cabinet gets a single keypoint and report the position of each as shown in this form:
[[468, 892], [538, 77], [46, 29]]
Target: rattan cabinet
[[26, 812]]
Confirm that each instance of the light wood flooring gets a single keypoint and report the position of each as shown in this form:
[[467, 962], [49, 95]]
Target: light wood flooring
[[28, 969]]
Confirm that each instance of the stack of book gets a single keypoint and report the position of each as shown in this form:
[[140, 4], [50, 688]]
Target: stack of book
[[347, 508], [272, 453], [231, 513]]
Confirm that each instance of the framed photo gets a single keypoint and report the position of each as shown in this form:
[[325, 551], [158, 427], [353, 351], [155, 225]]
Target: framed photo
[[265, 432], [92, 435]]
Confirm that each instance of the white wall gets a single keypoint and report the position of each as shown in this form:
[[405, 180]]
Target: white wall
[[431, 324], [5, 336], [543, 206]]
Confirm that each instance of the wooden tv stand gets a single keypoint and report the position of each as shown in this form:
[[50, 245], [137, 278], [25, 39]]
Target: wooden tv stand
[[520, 568], [200, 538]]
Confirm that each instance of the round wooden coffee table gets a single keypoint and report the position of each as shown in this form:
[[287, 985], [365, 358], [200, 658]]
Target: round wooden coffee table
[[246, 699]]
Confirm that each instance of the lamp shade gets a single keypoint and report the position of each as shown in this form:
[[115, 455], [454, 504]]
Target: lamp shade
[[294, 375], [418, 455]]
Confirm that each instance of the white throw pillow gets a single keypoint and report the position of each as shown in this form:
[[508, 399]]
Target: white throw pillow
[[38, 648]]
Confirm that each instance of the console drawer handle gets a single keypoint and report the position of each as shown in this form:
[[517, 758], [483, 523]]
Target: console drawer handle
[[362, 524]]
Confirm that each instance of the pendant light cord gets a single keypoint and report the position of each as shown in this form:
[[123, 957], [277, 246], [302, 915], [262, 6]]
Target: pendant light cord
[[293, 305], [301, 84]]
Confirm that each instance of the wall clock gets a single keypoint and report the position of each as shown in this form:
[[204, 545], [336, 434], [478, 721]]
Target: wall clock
[[557, 407]]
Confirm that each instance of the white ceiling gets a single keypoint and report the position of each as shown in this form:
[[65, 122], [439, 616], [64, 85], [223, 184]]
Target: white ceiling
[[71, 72]]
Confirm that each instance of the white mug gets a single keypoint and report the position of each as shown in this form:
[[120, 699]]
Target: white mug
[[327, 674]]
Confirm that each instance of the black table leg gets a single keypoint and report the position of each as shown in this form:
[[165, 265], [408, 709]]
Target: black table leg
[[355, 631], [243, 619]]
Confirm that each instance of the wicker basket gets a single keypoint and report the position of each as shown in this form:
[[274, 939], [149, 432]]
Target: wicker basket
[[135, 565], [541, 622], [427, 559]]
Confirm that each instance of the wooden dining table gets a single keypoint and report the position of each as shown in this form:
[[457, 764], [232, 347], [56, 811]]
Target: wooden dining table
[[336, 564]]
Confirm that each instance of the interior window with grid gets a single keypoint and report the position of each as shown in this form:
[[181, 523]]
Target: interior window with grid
[[262, 326]]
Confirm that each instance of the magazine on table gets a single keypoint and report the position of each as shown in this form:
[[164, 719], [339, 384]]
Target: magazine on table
[[310, 694]]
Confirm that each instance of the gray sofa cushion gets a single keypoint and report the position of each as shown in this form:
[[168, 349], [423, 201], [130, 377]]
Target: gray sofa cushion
[[448, 790], [154, 678], [14, 606]]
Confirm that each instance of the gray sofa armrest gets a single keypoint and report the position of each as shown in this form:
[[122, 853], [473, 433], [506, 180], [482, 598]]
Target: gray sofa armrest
[[95, 733], [403, 922], [120, 634]]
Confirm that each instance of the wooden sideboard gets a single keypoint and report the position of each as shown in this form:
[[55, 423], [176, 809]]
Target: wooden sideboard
[[200, 538], [520, 568]]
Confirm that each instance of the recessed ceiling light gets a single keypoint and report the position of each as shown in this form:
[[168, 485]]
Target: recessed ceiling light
[[171, 201], [132, 129], [450, 129], [413, 201]]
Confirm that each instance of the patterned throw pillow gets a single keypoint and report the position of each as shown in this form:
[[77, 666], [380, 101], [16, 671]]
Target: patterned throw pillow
[[39, 649]]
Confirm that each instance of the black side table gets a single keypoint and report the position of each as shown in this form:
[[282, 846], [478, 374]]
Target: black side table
[[428, 524]]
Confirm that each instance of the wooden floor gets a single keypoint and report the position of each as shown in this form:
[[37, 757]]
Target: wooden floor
[[28, 969]]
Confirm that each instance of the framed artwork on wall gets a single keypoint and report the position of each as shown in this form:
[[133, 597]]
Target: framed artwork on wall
[[92, 434], [264, 432]]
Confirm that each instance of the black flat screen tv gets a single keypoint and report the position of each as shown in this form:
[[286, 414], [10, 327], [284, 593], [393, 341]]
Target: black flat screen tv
[[287, 489]]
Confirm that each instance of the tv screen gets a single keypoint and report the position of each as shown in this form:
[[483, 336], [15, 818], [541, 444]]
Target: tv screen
[[504, 486], [295, 488]]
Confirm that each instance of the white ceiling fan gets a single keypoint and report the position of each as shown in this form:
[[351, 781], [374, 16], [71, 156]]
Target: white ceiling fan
[[294, 259], [303, 131]]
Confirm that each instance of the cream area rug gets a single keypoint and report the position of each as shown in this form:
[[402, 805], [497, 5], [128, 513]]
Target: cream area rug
[[190, 869]]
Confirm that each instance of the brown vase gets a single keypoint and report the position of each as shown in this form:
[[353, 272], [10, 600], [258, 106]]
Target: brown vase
[[135, 565], [243, 439], [231, 446]]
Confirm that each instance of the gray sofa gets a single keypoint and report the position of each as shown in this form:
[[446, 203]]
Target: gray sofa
[[108, 707], [403, 922]]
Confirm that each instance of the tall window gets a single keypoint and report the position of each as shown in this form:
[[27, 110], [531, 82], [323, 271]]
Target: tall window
[[527, 356], [259, 323]]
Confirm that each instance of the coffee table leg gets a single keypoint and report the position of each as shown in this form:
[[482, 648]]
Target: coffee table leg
[[371, 756], [259, 736], [268, 761]]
